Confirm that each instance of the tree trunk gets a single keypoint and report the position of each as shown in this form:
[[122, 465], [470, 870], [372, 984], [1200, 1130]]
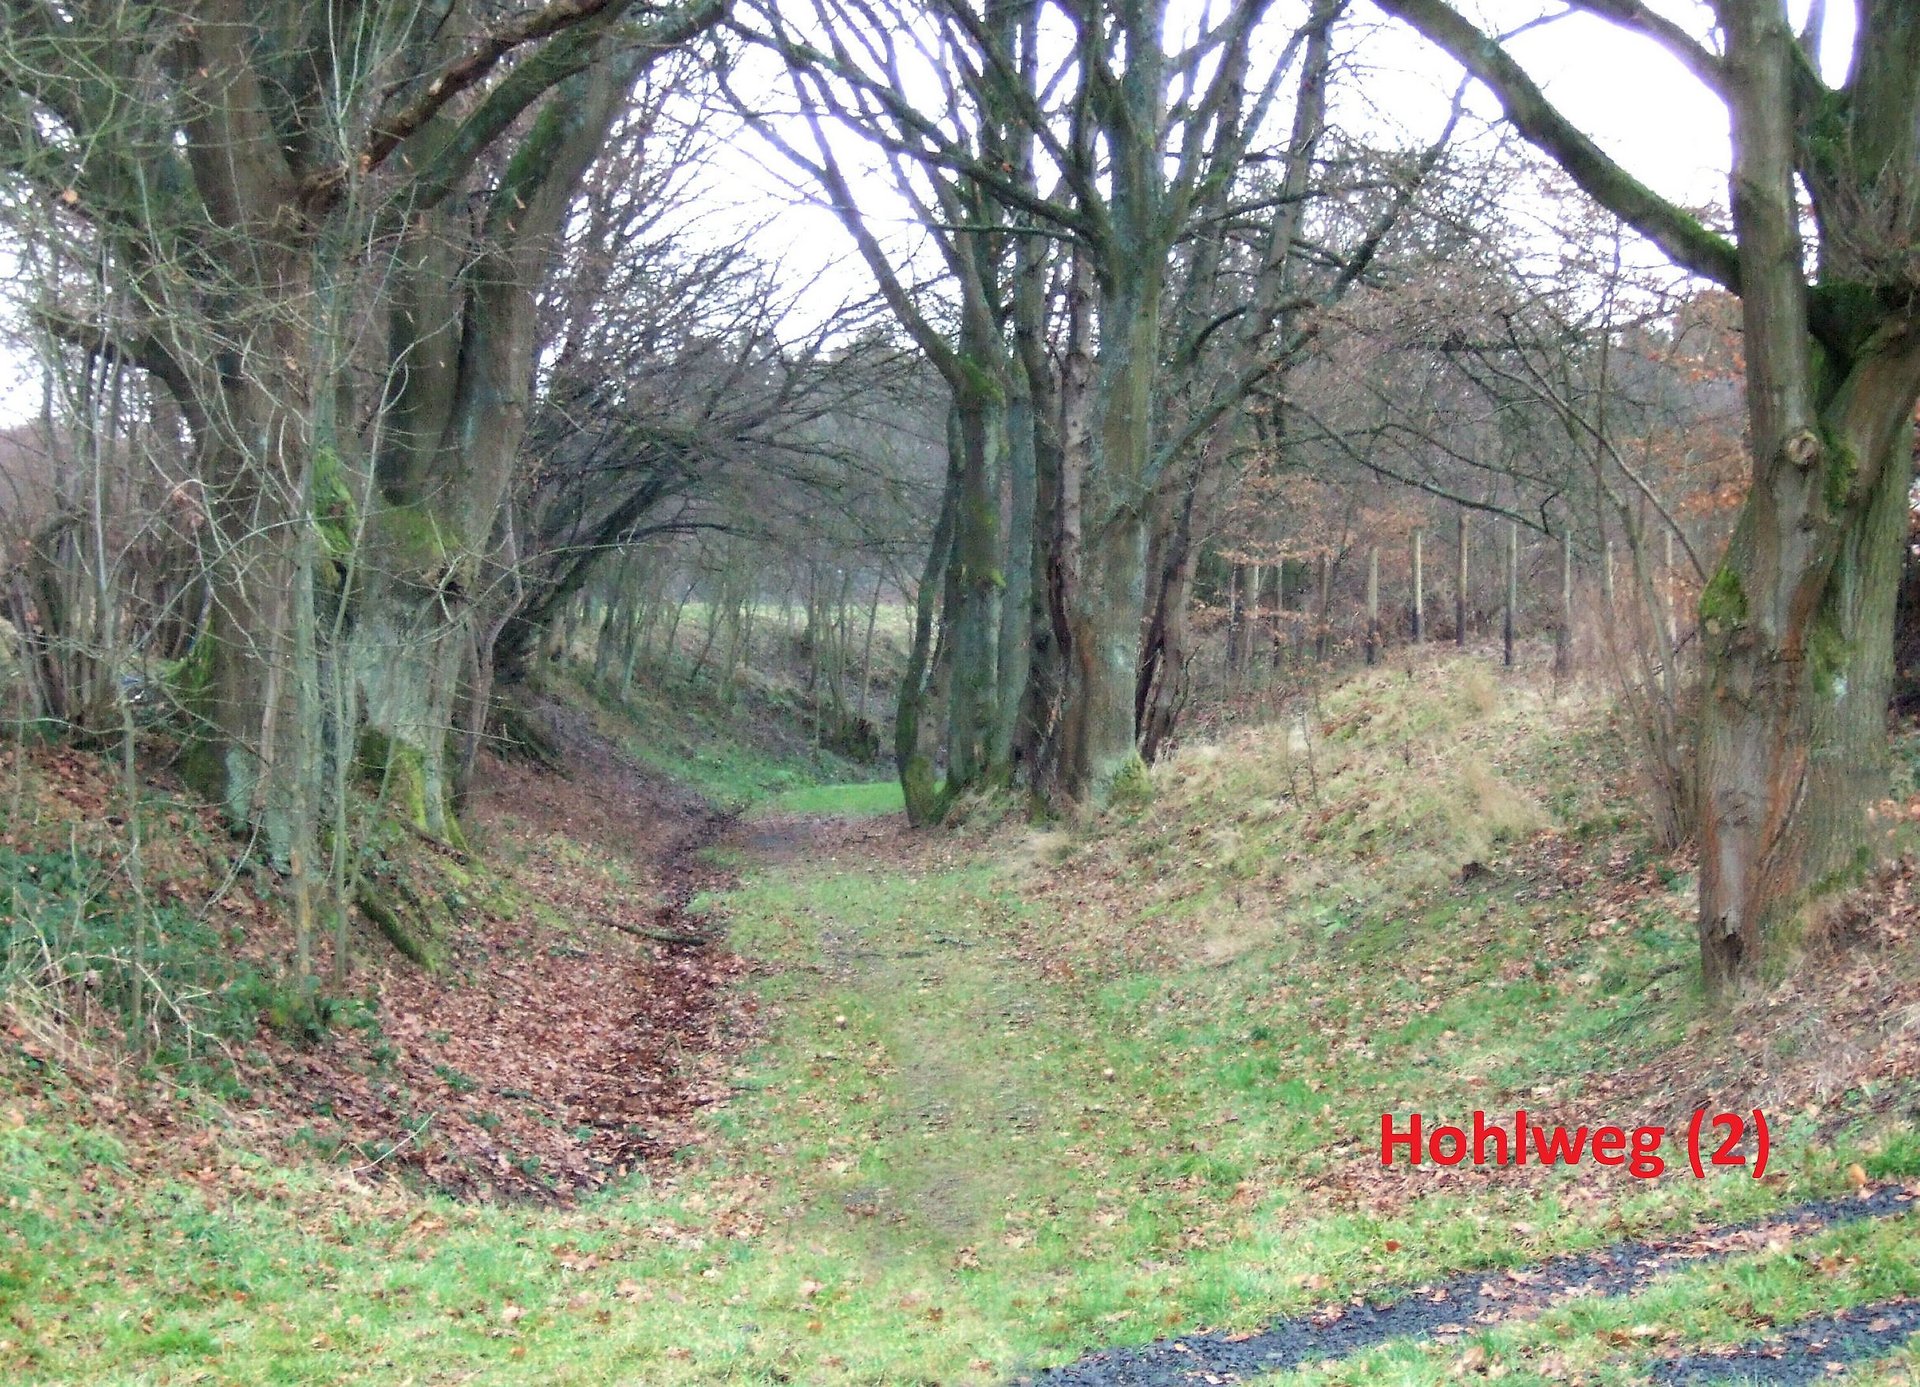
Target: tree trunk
[[246, 748], [974, 437], [462, 340], [1110, 603], [1165, 679], [1798, 620], [1017, 614], [914, 743], [244, 754], [1792, 743], [1106, 651]]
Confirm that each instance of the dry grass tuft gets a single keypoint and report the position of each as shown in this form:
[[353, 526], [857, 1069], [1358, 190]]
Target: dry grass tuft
[[1388, 785]]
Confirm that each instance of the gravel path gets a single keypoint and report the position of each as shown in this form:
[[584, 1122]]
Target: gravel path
[[1468, 1302], [1806, 1352]]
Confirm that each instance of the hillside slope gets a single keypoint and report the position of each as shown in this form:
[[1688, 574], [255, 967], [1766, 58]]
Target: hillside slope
[[1000, 1096]]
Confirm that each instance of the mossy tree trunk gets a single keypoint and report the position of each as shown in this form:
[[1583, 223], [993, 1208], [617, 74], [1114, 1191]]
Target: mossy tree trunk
[[1799, 617], [915, 738], [254, 447], [462, 339], [977, 435], [1107, 604], [1793, 749]]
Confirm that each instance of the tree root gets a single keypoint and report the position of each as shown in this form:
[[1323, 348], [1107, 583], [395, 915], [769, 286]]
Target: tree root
[[664, 936], [521, 734], [407, 921]]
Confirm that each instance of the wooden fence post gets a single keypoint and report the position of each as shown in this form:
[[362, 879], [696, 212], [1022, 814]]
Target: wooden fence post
[[1279, 613], [1563, 637], [1513, 585], [1234, 617], [1666, 590], [1320, 617], [1419, 590], [1251, 618], [1373, 604], [1460, 589]]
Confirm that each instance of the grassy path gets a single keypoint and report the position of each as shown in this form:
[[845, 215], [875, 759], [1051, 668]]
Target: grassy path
[[1106, 1159]]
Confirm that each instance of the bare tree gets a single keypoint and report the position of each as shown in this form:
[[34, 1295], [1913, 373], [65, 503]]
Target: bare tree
[[260, 188]]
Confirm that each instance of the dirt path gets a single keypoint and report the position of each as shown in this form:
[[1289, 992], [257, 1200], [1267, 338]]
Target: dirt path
[[1474, 1301]]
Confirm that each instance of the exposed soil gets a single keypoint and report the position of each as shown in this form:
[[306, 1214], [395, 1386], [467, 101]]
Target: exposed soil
[[1464, 1304]]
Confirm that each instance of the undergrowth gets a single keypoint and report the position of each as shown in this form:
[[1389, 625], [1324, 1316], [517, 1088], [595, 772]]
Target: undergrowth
[[736, 747]]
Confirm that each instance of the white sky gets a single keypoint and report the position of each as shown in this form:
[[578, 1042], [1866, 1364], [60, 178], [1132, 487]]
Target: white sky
[[1638, 103]]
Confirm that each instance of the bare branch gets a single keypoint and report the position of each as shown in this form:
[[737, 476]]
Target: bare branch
[[1681, 236]]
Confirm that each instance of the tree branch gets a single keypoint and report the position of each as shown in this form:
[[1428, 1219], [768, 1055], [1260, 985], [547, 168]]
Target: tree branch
[[1634, 15], [1680, 236], [464, 72]]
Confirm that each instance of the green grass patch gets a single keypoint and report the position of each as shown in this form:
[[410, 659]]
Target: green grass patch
[[738, 748], [860, 799]]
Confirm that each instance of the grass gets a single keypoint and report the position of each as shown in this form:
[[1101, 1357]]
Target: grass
[[1724, 1303], [1019, 1098], [856, 800], [740, 750]]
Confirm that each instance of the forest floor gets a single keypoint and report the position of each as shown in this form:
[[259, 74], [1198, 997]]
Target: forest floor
[[1092, 1103]]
